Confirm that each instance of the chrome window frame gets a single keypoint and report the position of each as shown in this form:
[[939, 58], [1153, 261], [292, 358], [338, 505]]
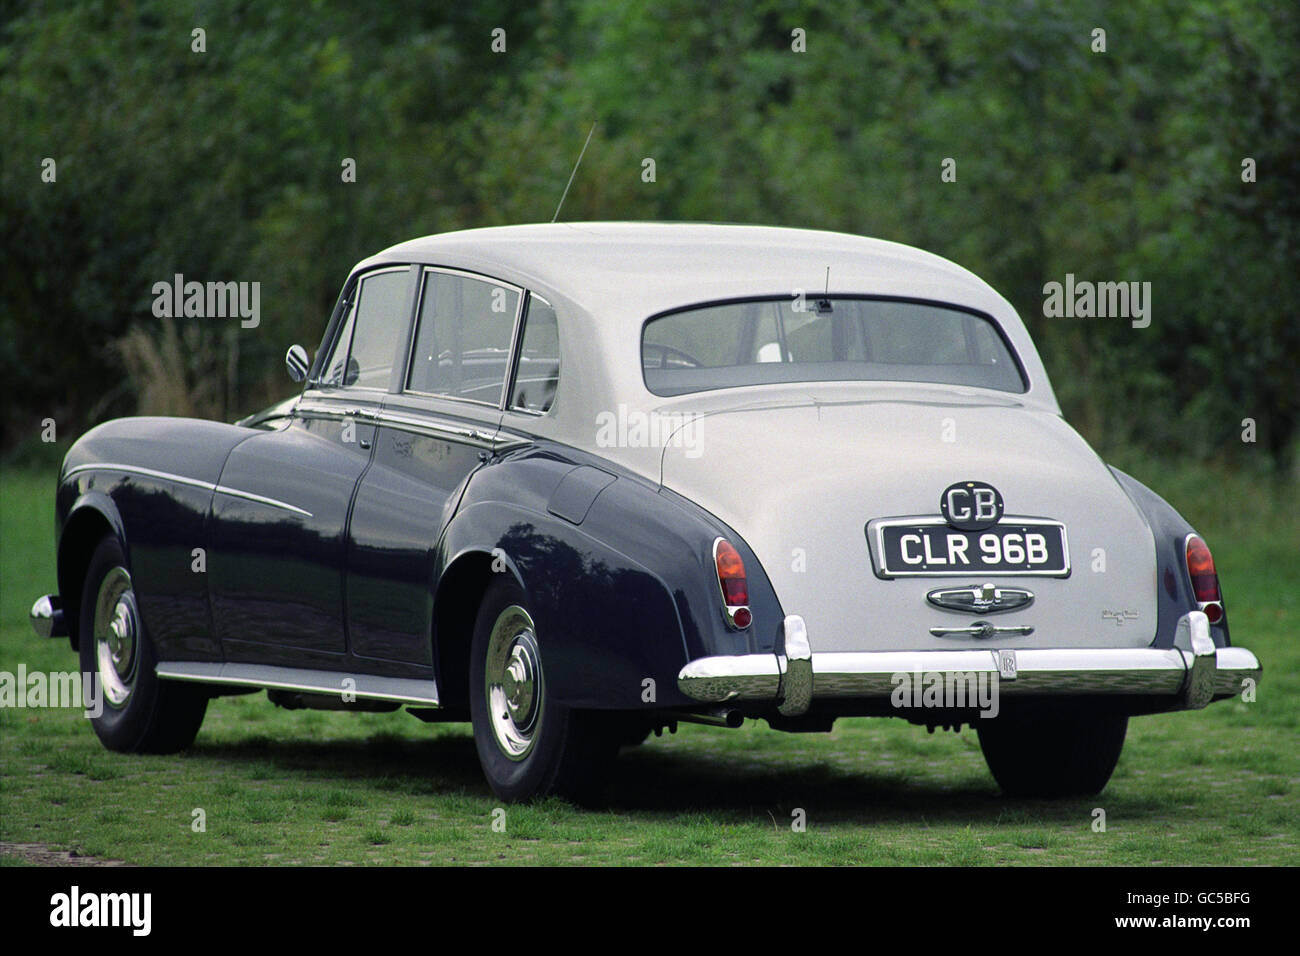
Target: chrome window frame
[[401, 386], [521, 328], [349, 301], [1017, 362]]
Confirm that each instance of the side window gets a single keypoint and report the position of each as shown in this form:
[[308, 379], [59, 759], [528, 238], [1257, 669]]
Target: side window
[[462, 344], [538, 371], [363, 353], [335, 369]]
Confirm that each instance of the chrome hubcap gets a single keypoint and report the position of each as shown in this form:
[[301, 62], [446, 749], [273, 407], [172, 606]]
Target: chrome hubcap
[[513, 679], [116, 632]]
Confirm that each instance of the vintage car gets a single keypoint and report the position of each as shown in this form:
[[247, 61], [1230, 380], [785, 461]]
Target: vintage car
[[576, 483]]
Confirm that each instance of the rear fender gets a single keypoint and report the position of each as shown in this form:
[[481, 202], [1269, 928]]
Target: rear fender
[[1174, 596], [621, 590]]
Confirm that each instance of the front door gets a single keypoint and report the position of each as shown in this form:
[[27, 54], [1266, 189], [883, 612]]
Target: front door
[[278, 548]]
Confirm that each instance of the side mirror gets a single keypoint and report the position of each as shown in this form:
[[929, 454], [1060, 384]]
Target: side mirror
[[297, 362]]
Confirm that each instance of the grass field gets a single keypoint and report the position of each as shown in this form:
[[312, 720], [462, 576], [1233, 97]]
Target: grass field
[[1220, 785]]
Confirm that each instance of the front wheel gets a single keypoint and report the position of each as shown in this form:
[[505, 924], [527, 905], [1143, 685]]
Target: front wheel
[[1052, 755], [528, 744], [139, 713]]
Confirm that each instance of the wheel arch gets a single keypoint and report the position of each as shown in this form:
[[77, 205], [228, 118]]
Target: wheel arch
[[91, 518], [457, 598]]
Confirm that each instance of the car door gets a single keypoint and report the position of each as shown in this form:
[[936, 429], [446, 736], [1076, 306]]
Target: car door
[[435, 429], [278, 549]]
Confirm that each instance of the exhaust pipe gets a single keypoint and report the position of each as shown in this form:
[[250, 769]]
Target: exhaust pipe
[[728, 717]]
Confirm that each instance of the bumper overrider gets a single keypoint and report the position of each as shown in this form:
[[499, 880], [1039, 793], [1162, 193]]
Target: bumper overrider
[[1190, 674]]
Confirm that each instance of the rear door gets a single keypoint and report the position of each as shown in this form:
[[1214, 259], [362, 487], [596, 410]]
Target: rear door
[[435, 428]]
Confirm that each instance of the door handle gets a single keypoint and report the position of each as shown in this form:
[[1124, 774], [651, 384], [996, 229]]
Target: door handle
[[981, 629]]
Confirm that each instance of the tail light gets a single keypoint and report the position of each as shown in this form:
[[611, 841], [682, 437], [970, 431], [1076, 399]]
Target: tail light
[[1205, 579], [732, 584]]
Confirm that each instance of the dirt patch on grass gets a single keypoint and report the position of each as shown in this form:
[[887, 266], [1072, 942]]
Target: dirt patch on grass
[[41, 855]]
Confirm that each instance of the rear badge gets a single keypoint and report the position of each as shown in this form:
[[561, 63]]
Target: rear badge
[[1005, 661], [980, 598], [971, 505], [1119, 617]]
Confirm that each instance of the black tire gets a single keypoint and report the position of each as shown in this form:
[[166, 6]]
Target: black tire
[[561, 752], [156, 716], [1052, 755]]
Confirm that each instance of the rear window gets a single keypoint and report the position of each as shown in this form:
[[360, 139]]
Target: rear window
[[835, 338]]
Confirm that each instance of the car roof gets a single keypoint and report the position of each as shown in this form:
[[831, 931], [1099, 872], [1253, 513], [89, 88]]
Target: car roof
[[635, 269], [605, 279]]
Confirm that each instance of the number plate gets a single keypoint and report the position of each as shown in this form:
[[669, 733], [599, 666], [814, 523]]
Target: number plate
[[928, 546]]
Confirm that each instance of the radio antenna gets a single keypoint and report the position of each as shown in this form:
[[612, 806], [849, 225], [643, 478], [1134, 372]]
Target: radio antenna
[[574, 173], [823, 306]]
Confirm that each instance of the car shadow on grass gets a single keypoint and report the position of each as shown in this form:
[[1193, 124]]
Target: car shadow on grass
[[655, 784], [437, 766]]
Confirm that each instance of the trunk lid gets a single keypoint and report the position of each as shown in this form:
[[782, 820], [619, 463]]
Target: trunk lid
[[800, 481]]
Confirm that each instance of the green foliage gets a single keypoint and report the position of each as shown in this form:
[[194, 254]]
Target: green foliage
[[225, 165]]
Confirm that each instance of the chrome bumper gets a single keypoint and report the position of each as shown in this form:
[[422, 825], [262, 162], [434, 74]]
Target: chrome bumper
[[47, 617], [1191, 677]]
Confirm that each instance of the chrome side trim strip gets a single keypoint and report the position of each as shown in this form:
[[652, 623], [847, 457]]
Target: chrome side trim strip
[[261, 499], [365, 687], [479, 437], [191, 482], [486, 437], [438, 429], [145, 472], [309, 408]]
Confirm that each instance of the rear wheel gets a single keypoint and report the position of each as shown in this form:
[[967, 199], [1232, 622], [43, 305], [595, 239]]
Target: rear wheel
[[1052, 755], [139, 713], [528, 744]]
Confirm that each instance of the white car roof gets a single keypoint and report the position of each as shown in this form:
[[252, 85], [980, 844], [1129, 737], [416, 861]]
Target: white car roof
[[605, 279], [635, 269]]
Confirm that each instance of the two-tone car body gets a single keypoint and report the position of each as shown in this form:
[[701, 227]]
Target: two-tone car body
[[575, 482]]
